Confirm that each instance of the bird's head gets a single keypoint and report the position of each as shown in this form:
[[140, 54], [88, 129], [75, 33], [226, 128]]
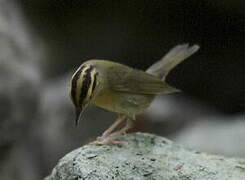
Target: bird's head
[[83, 86]]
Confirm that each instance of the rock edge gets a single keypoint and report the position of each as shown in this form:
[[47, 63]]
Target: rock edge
[[145, 156]]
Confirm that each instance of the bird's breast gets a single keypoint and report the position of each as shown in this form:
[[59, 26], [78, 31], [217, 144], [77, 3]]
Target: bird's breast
[[123, 103]]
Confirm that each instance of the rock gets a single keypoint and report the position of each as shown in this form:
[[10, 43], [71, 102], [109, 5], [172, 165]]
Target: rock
[[145, 156]]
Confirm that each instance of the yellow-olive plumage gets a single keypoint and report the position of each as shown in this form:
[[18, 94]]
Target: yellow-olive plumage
[[122, 89]]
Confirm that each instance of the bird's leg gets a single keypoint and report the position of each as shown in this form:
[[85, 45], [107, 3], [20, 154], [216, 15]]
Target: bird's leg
[[111, 138], [130, 124], [118, 121]]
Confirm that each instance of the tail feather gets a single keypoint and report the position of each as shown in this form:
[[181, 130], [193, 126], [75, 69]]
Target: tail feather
[[175, 56], [170, 89]]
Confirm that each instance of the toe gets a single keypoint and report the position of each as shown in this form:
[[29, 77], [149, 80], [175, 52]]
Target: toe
[[108, 141]]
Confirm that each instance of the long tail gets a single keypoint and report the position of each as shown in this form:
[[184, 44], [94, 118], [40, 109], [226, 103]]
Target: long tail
[[175, 56]]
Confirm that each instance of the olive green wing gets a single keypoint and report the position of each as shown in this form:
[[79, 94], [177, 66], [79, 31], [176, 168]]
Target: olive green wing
[[135, 81]]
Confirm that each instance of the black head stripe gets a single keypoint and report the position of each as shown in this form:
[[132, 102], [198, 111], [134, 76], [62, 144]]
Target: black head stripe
[[85, 85], [94, 82], [74, 84]]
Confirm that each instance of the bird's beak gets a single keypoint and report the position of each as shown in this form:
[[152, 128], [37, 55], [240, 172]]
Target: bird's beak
[[78, 115], [79, 112]]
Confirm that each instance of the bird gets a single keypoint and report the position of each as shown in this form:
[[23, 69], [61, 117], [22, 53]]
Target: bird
[[122, 89]]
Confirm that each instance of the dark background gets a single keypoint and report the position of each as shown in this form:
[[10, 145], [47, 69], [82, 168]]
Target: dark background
[[140, 32], [42, 42]]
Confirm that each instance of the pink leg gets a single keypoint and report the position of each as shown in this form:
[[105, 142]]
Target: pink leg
[[111, 138], [107, 132], [129, 125]]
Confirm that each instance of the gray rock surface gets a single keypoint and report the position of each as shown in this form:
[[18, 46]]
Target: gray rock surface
[[145, 156]]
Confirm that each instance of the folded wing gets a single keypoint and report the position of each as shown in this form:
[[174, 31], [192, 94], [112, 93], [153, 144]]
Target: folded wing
[[134, 81]]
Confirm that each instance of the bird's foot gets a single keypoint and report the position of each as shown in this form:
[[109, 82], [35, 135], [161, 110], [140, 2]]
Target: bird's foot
[[101, 138], [109, 138], [107, 141]]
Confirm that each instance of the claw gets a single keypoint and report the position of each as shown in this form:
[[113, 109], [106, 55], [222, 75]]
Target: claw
[[108, 141]]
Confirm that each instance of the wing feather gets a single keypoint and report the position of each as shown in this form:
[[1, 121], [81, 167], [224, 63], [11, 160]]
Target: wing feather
[[134, 81]]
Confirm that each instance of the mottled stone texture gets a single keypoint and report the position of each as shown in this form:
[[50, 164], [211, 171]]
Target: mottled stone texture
[[145, 156]]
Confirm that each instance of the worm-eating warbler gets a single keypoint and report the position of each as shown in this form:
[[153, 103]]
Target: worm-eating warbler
[[122, 89]]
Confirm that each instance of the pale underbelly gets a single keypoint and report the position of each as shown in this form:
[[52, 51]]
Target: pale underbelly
[[129, 104]]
